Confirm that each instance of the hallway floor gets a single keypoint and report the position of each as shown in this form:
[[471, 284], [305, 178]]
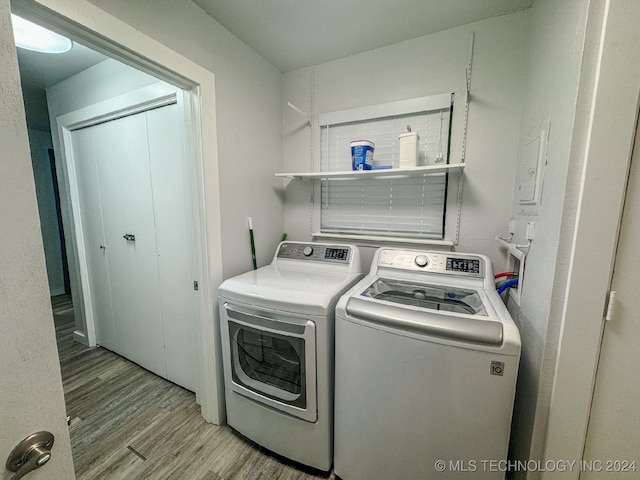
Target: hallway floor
[[127, 423]]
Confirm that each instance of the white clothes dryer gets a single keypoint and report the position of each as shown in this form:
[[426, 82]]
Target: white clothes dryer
[[426, 365], [277, 331]]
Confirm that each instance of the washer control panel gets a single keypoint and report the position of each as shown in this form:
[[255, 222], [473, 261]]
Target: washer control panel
[[432, 262], [315, 251]]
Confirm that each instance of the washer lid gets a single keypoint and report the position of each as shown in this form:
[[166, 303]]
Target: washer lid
[[306, 291], [446, 311], [434, 297]]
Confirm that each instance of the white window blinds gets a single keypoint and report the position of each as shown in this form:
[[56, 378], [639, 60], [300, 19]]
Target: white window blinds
[[392, 206], [403, 207]]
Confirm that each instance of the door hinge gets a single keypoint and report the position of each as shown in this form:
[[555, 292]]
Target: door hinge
[[195, 285], [611, 306]]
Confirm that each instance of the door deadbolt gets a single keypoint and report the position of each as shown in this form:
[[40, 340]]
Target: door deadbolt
[[31, 453], [129, 237]]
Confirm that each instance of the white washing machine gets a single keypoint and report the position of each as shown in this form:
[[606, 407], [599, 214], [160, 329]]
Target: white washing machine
[[426, 365], [277, 325]]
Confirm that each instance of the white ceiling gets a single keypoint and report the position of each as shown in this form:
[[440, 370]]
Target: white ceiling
[[292, 34], [41, 70]]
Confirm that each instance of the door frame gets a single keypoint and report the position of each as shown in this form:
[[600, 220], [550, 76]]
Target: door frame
[[84, 22], [610, 134], [137, 101]]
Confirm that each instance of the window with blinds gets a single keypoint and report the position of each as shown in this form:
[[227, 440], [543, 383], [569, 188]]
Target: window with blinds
[[408, 206]]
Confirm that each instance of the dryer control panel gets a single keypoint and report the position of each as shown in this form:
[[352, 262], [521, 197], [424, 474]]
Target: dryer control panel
[[433, 262], [318, 252]]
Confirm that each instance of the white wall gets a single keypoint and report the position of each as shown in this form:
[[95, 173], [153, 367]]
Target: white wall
[[248, 115], [427, 65], [35, 106], [105, 80], [40, 142], [555, 55]]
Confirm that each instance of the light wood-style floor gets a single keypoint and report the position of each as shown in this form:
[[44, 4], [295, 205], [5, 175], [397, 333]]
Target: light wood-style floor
[[129, 424]]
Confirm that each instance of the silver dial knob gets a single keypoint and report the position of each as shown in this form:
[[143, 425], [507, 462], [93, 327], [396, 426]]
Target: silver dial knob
[[421, 260], [307, 251]]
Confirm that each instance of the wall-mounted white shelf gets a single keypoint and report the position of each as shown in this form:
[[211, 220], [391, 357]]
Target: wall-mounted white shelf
[[390, 172]]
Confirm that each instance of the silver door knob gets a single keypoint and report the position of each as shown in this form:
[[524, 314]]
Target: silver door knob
[[31, 453], [129, 237]]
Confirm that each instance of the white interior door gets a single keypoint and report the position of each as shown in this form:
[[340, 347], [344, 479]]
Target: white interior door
[[176, 256], [31, 396], [613, 434], [132, 180], [124, 173], [90, 214]]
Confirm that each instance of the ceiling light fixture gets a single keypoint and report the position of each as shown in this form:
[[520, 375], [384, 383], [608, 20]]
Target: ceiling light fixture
[[33, 37]]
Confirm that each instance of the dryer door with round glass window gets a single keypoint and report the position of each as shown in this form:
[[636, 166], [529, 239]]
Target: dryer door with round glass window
[[273, 360]]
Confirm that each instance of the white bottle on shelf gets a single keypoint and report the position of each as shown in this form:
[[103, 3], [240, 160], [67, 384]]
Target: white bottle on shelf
[[408, 149]]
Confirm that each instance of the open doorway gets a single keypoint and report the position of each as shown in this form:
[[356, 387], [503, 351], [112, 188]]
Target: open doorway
[[198, 87], [144, 322]]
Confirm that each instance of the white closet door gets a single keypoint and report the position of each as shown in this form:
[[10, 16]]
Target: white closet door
[[611, 448], [124, 174], [132, 179], [93, 235], [174, 235]]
